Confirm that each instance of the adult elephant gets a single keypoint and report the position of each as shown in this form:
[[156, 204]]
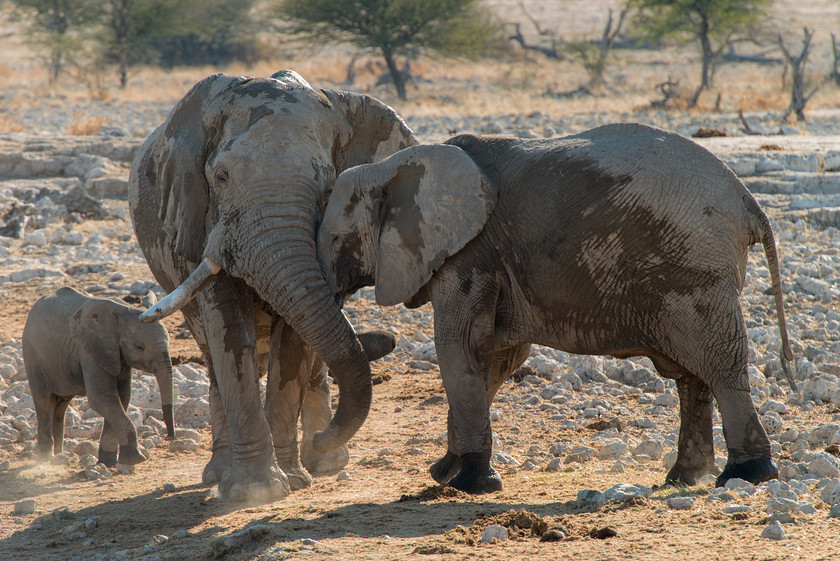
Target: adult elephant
[[226, 196], [624, 240]]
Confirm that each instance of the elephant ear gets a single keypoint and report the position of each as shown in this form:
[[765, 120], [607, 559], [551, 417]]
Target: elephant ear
[[95, 329], [175, 165], [434, 199], [370, 132]]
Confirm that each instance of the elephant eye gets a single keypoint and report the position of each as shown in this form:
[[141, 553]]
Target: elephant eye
[[140, 347], [221, 175]]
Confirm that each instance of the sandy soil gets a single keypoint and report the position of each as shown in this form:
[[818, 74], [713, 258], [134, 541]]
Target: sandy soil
[[389, 507]]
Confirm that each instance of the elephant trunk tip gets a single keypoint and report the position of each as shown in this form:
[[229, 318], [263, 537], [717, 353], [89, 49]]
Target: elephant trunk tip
[[327, 440], [785, 359], [169, 420]]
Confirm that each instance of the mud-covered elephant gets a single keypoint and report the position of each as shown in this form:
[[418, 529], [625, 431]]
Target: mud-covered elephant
[[75, 344], [624, 240], [226, 196]]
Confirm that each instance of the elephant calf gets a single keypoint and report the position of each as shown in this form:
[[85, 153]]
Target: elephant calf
[[74, 344], [624, 240]]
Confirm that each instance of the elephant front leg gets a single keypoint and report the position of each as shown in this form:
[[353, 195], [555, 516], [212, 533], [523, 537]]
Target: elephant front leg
[[504, 363], [106, 395], [749, 448], [695, 448], [129, 449], [290, 361], [219, 465], [467, 390], [227, 312]]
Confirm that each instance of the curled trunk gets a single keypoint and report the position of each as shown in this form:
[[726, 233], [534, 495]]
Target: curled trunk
[[278, 259]]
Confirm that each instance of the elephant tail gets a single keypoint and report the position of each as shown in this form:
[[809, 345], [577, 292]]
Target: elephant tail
[[769, 243]]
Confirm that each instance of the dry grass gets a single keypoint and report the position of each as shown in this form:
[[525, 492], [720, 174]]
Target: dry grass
[[519, 83], [7, 124], [86, 126]]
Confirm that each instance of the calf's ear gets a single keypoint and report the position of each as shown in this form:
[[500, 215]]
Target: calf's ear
[[95, 329]]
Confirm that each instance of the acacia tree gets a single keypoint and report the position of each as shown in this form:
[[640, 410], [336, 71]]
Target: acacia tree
[[57, 27], [714, 24], [131, 26], [797, 63], [394, 27]]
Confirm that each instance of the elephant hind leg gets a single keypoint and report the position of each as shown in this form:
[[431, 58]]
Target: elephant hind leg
[[45, 407], [718, 356], [695, 447], [315, 416], [749, 448], [61, 404], [288, 376]]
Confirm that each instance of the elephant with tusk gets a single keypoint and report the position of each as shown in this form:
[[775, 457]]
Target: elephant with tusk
[[624, 240], [226, 196]]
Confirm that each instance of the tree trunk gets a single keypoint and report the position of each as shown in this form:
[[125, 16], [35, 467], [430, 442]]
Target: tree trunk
[[396, 76], [798, 97], [706, 55], [123, 70], [835, 70]]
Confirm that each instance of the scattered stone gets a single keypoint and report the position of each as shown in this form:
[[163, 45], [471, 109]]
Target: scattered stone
[[25, 506], [602, 533], [681, 503], [494, 532], [580, 454], [343, 475], [554, 535], [774, 531], [250, 534]]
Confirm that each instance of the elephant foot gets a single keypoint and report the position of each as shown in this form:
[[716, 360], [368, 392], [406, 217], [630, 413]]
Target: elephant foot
[[44, 453], [298, 477], [323, 464], [687, 475], [108, 458], [254, 483], [755, 471], [218, 466], [445, 468], [477, 476], [130, 456]]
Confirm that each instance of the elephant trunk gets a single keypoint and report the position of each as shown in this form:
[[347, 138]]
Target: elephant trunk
[[164, 380], [278, 259]]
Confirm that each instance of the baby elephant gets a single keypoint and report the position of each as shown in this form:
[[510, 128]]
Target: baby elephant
[[624, 240], [74, 344]]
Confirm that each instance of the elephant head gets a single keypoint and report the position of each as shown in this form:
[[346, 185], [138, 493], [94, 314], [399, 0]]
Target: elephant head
[[242, 169], [394, 222], [111, 334]]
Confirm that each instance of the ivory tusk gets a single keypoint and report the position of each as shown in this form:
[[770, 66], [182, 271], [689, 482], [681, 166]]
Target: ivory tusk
[[182, 295]]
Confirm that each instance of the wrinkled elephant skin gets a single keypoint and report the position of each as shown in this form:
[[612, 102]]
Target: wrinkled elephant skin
[[236, 180], [75, 344], [624, 240]]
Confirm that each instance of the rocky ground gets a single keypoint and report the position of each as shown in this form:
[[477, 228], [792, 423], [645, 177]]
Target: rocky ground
[[583, 443]]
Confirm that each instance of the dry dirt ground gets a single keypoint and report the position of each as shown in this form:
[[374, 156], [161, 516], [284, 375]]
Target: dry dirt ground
[[388, 508]]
